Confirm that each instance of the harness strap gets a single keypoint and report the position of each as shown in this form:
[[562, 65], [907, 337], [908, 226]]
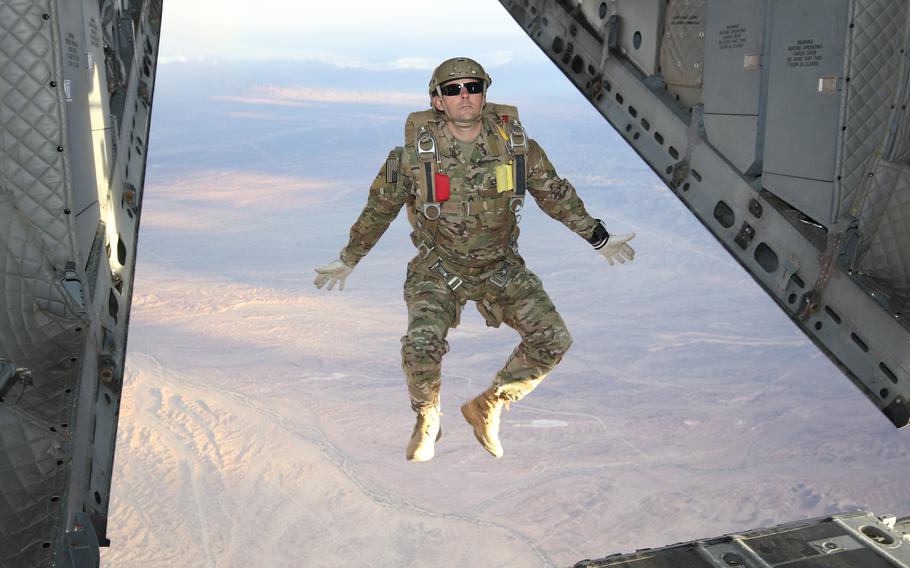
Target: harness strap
[[453, 281], [468, 206], [518, 144], [500, 275], [520, 177], [428, 153], [435, 198]]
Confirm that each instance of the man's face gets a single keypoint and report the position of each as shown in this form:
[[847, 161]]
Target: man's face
[[464, 105]]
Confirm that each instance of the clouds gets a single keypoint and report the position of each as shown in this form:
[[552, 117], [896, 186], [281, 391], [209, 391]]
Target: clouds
[[304, 96], [182, 58], [230, 18], [398, 34], [231, 200], [377, 62]]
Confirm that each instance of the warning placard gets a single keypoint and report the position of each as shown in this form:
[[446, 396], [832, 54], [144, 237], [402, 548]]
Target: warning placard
[[732, 37], [804, 53]]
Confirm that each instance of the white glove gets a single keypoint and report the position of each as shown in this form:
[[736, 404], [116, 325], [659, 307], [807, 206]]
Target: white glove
[[615, 248], [333, 272]]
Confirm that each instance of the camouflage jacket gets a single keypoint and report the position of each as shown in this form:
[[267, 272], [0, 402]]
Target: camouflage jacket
[[476, 227]]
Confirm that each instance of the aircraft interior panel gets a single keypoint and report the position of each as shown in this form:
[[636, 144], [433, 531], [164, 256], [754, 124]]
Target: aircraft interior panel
[[750, 119], [72, 165]]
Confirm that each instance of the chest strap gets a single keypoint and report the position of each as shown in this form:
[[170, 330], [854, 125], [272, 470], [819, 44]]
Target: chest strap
[[517, 142], [435, 199], [470, 206], [428, 153]]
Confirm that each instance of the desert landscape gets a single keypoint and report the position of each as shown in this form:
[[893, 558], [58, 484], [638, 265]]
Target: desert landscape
[[264, 422]]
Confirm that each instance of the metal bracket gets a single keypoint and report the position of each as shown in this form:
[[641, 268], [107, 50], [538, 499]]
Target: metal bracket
[[427, 207], [788, 268], [424, 250], [745, 236], [680, 172], [835, 545], [10, 374], [827, 264], [130, 198], [426, 146], [80, 545], [453, 281], [503, 276], [518, 140], [611, 31], [73, 284]]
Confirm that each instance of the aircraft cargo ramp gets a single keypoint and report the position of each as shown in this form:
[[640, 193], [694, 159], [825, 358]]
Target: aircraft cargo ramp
[[858, 539]]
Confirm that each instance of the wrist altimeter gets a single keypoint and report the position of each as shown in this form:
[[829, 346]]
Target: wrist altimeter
[[600, 235]]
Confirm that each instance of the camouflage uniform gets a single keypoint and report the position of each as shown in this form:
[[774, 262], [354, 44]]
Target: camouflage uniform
[[474, 240]]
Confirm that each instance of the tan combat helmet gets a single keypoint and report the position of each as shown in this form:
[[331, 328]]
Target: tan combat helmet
[[457, 68]]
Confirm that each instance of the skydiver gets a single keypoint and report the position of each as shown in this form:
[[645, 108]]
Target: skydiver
[[462, 175]]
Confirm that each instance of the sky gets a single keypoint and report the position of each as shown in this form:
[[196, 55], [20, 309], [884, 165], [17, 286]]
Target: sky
[[362, 34]]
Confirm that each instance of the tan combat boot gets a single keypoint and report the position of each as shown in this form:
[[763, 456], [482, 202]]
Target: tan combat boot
[[426, 432], [483, 414]]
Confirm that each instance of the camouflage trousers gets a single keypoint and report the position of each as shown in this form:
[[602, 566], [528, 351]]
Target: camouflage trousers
[[522, 304]]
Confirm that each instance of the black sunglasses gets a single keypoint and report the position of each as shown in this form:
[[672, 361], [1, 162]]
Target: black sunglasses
[[454, 89]]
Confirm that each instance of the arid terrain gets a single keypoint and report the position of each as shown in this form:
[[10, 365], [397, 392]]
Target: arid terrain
[[264, 422]]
